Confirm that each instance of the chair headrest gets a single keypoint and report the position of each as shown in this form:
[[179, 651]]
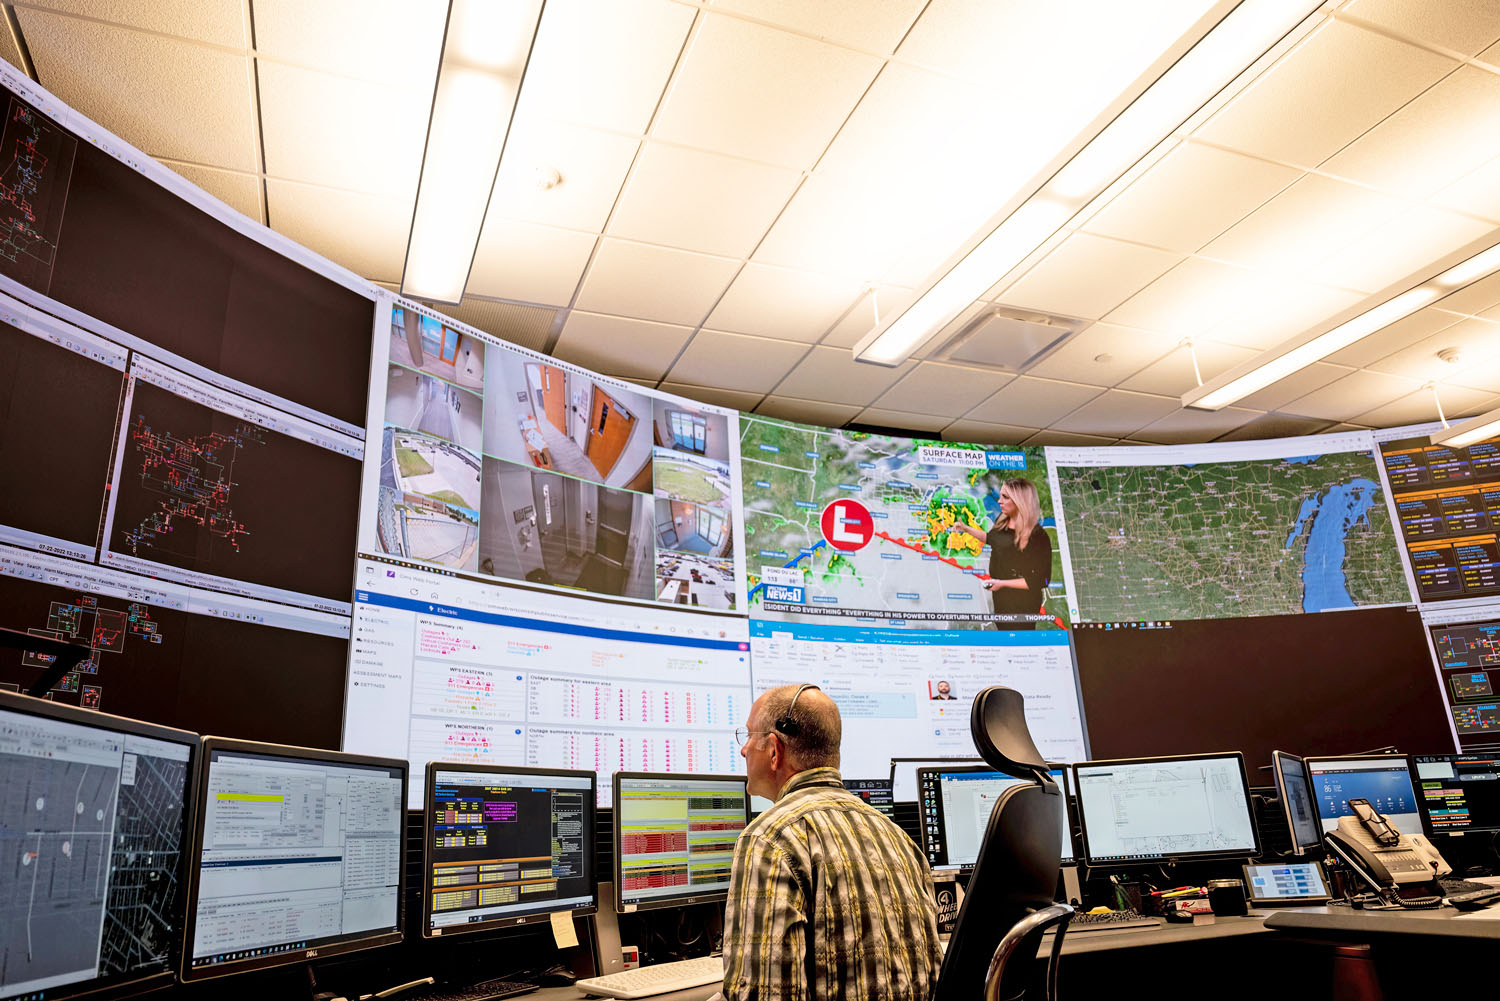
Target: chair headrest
[[998, 722]]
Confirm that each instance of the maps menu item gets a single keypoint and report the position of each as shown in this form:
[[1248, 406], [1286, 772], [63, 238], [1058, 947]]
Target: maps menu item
[[1448, 504]]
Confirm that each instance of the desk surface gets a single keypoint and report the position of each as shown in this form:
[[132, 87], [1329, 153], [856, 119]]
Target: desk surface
[[1167, 934], [1346, 922]]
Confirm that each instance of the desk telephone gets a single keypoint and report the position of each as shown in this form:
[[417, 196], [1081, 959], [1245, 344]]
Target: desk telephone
[[1383, 856]]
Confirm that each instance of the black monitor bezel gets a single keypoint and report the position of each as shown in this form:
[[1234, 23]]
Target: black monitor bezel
[[1286, 810], [621, 907], [1397, 762], [216, 745], [127, 986], [1111, 862], [1072, 858], [509, 921], [888, 785], [1427, 826]]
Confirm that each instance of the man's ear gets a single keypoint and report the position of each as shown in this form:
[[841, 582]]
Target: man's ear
[[778, 750]]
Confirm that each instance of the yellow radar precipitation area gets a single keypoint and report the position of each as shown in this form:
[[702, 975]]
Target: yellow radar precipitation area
[[917, 568]]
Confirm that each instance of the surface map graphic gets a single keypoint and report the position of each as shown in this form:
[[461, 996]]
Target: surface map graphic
[[917, 566], [1225, 539]]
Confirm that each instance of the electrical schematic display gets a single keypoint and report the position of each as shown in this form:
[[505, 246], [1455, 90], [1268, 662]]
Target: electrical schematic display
[[104, 629], [36, 163]]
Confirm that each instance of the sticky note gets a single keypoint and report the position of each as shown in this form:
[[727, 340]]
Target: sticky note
[[563, 931]]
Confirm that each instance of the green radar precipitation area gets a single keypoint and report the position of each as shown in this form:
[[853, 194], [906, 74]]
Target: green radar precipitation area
[[1226, 539], [919, 562]]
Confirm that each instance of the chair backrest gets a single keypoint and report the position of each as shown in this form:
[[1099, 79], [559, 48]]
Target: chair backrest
[[1019, 859]]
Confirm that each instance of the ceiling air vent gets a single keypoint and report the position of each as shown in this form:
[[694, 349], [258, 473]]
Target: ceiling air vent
[[1008, 340]]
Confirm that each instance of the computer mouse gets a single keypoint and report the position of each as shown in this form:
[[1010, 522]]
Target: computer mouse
[[557, 978]]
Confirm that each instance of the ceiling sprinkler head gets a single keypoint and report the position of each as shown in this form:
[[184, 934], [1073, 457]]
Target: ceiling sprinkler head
[[1451, 355]]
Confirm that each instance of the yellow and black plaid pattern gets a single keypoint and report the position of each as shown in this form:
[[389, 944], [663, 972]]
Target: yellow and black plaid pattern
[[828, 900]]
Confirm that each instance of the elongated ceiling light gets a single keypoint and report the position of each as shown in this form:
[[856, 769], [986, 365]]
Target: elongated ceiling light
[[1299, 352], [1235, 43], [485, 47], [1465, 434]]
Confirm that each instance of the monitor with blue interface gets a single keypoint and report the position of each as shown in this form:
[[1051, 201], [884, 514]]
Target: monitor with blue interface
[[1296, 797], [1384, 780], [954, 811], [1156, 809], [93, 822]]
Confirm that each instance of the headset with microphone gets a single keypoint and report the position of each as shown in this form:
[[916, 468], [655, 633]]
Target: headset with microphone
[[786, 725]]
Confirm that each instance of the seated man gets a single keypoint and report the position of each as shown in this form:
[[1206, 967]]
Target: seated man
[[827, 898]]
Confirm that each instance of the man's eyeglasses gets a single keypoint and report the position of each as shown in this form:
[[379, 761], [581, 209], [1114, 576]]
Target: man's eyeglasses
[[741, 734]]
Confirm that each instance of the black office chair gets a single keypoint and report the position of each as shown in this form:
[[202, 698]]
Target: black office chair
[[1009, 904]]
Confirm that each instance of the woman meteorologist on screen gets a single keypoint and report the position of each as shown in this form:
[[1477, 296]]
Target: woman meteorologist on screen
[[1020, 554]]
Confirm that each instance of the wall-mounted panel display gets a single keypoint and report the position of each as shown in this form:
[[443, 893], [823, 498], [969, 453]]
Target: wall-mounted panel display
[[1227, 529], [1466, 647]]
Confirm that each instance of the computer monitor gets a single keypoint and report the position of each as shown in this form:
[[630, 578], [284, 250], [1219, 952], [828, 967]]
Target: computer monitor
[[674, 837], [1458, 793], [1295, 793], [875, 792], [94, 816], [954, 810], [1384, 780], [505, 846], [297, 853], [1136, 810], [904, 773]]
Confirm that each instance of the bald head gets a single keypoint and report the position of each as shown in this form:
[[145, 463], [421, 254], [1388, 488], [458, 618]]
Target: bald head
[[820, 728]]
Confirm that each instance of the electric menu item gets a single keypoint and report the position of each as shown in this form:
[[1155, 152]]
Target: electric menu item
[[93, 833], [1458, 793], [955, 806], [505, 846], [1296, 797], [297, 854], [674, 837], [1384, 781], [1158, 809]]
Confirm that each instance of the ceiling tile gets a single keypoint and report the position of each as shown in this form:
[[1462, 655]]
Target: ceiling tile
[[1419, 407], [943, 390], [1466, 26], [1354, 394], [830, 415], [1025, 401], [832, 375], [1088, 276], [1483, 372], [733, 361], [9, 51], [167, 97], [591, 163], [615, 345], [1066, 438], [1117, 413], [240, 192], [1303, 224], [1185, 426], [700, 201], [215, 23], [625, 278], [1295, 386], [733, 399], [1190, 298], [355, 38], [901, 420], [1173, 375], [1275, 426], [365, 234], [1402, 246], [1478, 340], [1104, 355], [1189, 197], [1473, 299], [768, 95], [1442, 135], [529, 263], [982, 433], [1287, 307], [779, 302], [869, 25], [1491, 55], [1337, 84], [331, 130], [1477, 194], [1392, 338], [862, 317], [579, 71]]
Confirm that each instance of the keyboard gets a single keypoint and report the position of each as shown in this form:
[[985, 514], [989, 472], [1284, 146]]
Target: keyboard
[[1452, 886], [663, 978], [1111, 921], [490, 990]]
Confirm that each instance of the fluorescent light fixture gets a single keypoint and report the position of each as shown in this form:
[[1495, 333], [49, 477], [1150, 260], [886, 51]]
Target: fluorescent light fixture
[[485, 48], [1236, 42], [1472, 430], [1471, 270]]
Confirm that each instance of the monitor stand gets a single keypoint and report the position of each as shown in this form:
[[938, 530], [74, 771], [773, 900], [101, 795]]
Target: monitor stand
[[1071, 888], [607, 958]]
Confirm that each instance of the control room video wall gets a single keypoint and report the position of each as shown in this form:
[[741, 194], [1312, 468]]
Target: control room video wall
[[277, 502]]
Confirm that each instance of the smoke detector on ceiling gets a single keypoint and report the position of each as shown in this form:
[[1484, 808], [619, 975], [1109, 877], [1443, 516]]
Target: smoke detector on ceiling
[[1008, 340]]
